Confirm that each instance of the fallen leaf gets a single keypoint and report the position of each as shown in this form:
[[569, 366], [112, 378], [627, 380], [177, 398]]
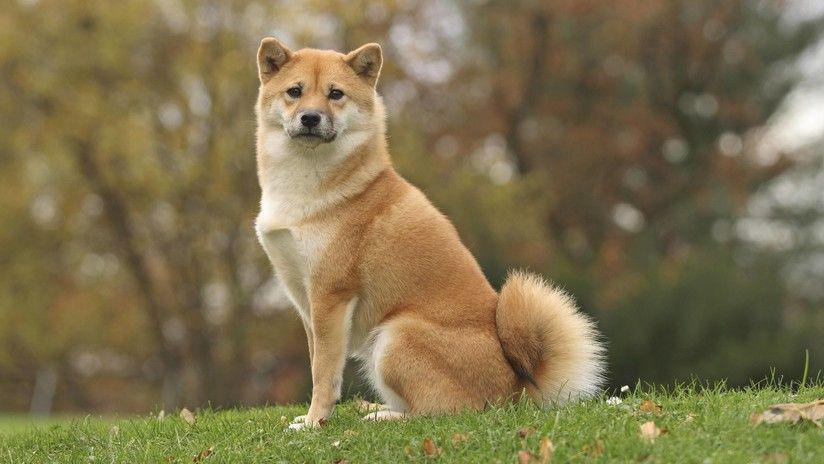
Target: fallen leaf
[[594, 450], [791, 412], [524, 457], [341, 461], [650, 407], [459, 438], [524, 432], [430, 449], [777, 458], [649, 431], [187, 415], [284, 420], [203, 454], [545, 450]]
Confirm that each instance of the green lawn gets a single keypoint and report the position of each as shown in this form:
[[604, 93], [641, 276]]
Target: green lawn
[[702, 425], [20, 423]]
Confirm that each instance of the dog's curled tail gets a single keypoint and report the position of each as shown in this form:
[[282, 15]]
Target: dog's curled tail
[[552, 346]]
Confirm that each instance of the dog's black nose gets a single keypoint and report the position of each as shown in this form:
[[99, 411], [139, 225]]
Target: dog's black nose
[[310, 119]]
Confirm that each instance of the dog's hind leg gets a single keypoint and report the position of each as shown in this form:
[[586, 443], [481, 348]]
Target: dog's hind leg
[[384, 414], [372, 368], [423, 368]]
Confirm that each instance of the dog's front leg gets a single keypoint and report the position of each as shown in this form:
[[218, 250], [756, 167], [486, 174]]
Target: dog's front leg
[[299, 421], [307, 326], [330, 336]]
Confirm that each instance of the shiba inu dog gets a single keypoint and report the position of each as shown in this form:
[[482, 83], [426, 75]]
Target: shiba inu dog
[[377, 273]]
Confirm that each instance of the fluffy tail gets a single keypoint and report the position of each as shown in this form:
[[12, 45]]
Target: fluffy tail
[[550, 344]]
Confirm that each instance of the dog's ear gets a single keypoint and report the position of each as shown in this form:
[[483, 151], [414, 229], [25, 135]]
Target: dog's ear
[[367, 61], [272, 55]]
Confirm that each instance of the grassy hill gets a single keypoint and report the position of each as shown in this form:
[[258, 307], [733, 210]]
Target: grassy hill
[[710, 425]]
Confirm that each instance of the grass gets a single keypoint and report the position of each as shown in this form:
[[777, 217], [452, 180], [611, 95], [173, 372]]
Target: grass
[[19, 423], [719, 431]]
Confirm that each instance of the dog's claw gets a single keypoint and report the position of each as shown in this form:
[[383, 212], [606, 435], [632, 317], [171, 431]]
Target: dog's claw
[[298, 423], [299, 426], [301, 422]]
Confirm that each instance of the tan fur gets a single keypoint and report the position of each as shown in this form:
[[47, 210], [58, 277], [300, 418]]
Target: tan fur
[[546, 338], [376, 272]]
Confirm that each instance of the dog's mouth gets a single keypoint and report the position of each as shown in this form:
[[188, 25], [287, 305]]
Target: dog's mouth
[[315, 136]]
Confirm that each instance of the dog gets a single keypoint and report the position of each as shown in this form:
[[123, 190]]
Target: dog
[[378, 274]]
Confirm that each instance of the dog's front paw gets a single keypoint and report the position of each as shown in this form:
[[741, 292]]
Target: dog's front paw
[[305, 422], [297, 423], [299, 426]]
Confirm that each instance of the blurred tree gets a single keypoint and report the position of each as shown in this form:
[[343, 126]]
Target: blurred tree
[[632, 129]]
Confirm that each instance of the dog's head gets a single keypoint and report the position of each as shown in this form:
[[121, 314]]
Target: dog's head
[[317, 96]]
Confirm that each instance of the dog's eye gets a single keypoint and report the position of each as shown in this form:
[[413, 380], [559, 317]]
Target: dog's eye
[[294, 92], [335, 94]]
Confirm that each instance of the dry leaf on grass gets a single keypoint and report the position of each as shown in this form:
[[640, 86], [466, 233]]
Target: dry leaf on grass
[[204, 454], [524, 432], [649, 431], [791, 412], [342, 461], [459, 438], [524, 457], [430, 449], [545, 450], [187, 415], [777, 458], [595, 450], [650, 407]]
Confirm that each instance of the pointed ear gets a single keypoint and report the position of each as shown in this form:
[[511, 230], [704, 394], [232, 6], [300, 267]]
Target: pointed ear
[[272, 55], [367, 61]]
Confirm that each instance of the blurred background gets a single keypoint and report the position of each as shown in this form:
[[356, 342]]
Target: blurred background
[[662, 160]]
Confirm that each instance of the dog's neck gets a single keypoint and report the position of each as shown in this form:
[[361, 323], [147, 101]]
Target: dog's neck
[[298, 181]]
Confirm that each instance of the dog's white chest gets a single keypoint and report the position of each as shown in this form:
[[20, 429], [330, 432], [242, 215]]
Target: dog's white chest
[[293, 253]]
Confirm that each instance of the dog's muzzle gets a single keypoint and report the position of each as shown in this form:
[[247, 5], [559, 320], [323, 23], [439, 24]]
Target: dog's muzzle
[[312, 125]]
